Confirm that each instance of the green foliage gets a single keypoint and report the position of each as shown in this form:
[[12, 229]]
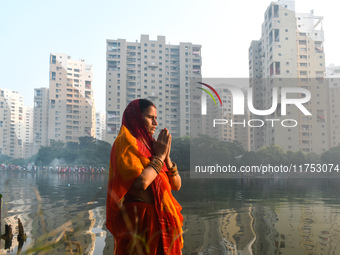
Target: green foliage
[[210, 151], [92, 152], [204, 149], [89, 152], [180, 152], [331, 156], [4, 158], [250, 158], [15, 161], [272, 154]]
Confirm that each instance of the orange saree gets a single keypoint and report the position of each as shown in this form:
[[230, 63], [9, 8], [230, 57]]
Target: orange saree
[[139, 227]]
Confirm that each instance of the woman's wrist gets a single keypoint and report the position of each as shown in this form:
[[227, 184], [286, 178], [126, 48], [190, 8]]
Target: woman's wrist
[[168, 162], [162, 158], [156, 163], [172, 171]]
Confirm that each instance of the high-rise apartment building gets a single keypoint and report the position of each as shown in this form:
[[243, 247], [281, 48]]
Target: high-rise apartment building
[[333, 79], [40, 125], [219, 122], [100, 125], [290, 54], [12, 124], [152, 70], [28, 139], [70, 109]]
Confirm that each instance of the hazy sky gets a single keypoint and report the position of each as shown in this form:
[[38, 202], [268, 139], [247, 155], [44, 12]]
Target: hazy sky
[[31, 30]]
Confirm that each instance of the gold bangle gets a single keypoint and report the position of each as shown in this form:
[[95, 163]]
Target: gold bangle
[[158, 158], [155, 166], [156, 162], [173, 174], [174, 167]]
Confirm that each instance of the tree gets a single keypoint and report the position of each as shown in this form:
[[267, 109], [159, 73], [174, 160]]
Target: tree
[[296, 158], [272, 154], [206, 150], [332, 156], [89, 152], [180, 152]]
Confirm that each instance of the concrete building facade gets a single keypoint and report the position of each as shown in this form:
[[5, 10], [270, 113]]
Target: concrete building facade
[[333, 79], [290, 53], [100, 125], [12, 124], [29, 135], [154, 70], [40, 125], [70, 109]]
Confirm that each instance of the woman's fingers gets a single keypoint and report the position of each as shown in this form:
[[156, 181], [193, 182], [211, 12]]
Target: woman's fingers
[[163, 143], [163, 136], [169, 144]]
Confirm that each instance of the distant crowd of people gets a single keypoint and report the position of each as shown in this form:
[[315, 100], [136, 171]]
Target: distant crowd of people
[[58, 169], [76, 169]]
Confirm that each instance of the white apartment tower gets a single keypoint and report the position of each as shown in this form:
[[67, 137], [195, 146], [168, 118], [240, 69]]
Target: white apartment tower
[[333, 79], [290, 54], [71, 109], [152, 70], [235, 129], [100, 125], [28, 140], [12, 124], [40, 125]]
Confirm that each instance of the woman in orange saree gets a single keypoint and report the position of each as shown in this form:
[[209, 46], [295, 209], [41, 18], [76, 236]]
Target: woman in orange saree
[[141, 212]]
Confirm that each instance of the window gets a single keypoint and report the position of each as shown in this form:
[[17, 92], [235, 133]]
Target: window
[[53, 59], [277, 35], [277, 68], [302, 42], [112, 65]]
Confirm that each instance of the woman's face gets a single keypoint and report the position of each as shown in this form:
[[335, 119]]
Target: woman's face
[[149, 116]]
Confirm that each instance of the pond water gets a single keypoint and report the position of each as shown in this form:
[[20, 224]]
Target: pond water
[[222, 216]]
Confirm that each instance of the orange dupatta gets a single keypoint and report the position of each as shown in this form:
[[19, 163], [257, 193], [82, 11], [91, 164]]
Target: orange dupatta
[[130, 154]]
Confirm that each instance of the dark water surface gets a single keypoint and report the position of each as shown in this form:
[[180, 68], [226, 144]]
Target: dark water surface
[[222, 216]]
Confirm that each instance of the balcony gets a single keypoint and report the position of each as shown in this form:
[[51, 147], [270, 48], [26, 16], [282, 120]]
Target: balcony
[[152, 64], [131, 78], [196, 53], [174, 62], [152, 94]]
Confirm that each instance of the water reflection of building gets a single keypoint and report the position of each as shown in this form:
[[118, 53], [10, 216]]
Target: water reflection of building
[[236, 229], [194, 229], [304, 228], [87, 220], [25, 219], [284, 228], [310, 227], [227, 232], [267, 236]]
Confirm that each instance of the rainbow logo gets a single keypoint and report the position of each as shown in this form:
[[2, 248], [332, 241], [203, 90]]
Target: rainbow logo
[[209, 93]]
